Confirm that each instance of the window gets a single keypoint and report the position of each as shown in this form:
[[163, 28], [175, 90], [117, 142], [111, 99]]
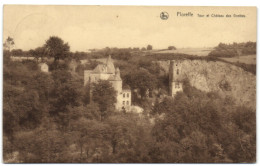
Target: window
[[177, 71], [123, 102], [127, 102], [127, 94], [123, 95]]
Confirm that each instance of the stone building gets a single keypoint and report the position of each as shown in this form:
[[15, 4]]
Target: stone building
[[108, 72], [175, 82], [44, 67]]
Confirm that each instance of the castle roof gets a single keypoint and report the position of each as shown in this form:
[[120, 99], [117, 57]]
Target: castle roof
[[105, 68], [110, 65], [101, 68]]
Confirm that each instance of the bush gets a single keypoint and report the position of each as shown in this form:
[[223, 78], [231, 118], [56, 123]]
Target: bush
[[171, 48]]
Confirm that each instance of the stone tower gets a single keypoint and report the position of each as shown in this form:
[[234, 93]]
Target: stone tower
[[175, 82], [116, 81]]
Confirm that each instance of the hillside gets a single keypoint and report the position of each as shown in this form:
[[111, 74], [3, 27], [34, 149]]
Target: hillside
[[247, 59], [226, 79], [233, 50], [190, 51]]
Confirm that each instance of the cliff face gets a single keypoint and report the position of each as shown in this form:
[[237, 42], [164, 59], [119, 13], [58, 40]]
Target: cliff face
[[226, 79]]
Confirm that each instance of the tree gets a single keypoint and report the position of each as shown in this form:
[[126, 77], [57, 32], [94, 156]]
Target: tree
[[66, 93], [141, 79], [17, 52], [143, 49], [149, 47], [129, 137], [88, 135], [105, 95], [43, 83], [29, 109], [171, 48], [92, 111], [56, 48], [9, 43], [41, 145], [39, 52]]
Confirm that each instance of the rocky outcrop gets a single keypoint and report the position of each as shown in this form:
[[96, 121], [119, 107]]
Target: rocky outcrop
[[224, 78]]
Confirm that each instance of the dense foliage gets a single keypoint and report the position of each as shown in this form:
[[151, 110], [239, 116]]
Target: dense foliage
[[46, 119], [55, 47], [235, 49], [201, 127]]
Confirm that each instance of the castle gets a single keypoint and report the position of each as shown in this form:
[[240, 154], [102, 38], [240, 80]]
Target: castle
[[108, 72], [175, 82]]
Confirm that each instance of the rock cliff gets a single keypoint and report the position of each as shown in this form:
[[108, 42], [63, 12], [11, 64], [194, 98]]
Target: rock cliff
[[224, 78]]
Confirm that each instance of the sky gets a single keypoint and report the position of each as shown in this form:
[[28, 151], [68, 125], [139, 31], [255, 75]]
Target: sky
[[88, 27]]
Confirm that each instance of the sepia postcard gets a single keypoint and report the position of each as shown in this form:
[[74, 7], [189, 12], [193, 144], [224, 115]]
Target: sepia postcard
[[129, 84]]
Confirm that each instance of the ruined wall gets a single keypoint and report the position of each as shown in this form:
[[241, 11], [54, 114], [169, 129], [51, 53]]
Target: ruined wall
[[224, 78], [175, 80], [175, 87]]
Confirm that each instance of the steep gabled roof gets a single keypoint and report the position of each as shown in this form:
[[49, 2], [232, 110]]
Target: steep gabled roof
[[101, 68], [108, 68], [110, 65], [114, 78]]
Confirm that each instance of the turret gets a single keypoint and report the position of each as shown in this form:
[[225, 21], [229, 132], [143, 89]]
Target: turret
[[110, 65], [175, 82], [174, 71], [171, 71], [118, 74]]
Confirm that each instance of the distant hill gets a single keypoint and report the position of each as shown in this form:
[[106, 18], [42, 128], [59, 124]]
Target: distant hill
[[189, 51]]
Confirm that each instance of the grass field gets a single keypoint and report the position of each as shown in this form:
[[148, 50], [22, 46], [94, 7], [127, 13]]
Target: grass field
[[190, 51], [249, 59]]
